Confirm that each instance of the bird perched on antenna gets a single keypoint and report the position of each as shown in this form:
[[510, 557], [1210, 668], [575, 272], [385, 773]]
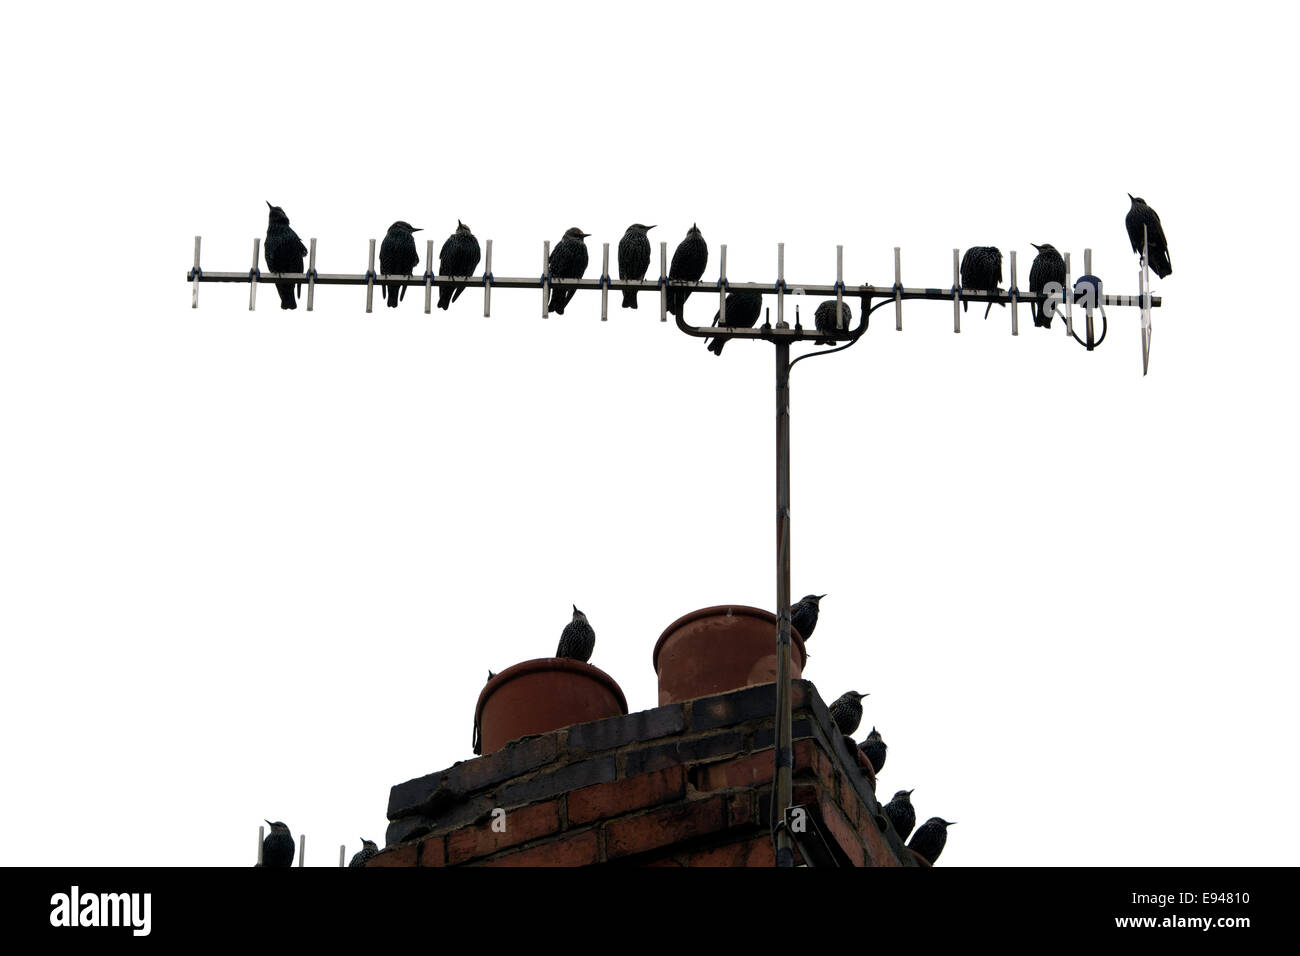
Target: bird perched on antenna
[[824, 318], [578, 640], [633, 259], [1139, 215], [283, 251], [981, 270], [459, 257], [368, 849], [803, 616], [930, 838], [689, 260], [901, 813], [847, 711], [1048, 269], [277, 846], [568, 261], [874, 747], [743, 310], [397, 257]]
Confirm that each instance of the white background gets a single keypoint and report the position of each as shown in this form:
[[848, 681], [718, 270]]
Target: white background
[[257, 565]]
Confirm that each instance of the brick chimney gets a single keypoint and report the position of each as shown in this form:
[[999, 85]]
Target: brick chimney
[[685, 784]]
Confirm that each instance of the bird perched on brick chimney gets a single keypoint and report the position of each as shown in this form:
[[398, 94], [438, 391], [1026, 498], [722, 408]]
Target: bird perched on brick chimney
[[743, 309], [283, 251], [874, 747], [930, 838], [981, 269], [689, 261], [459, 257], [368, 849], [824, 319], [633, 259], [277, 846], [1139, 215], [578, 639], [398, 257], [847, 711], [803, 616], [568, 261], [1048, 269], [901, 813]]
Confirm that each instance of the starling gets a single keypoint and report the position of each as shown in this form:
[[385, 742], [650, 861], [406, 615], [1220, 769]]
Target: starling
[[578, 639], [824, 318], [368, 849], [491, 673], [901, 813], [930, 838], [688, 264], [1048, 268], [277, 846], [874, 747], [568, 261], [284, 251], [743, 310], [847, 711], [803, 616], [633, 259], [981, 269], [1139, 215], [397, 257], [459, 257]]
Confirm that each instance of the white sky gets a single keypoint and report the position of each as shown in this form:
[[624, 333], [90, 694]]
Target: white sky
[[257, 565]]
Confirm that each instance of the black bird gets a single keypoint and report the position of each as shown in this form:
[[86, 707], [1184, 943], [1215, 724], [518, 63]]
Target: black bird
[[689, 260], [874, 747], [397, 257], [459, 257], [277, 846], [568, 261], [803, 616], [847, 711], [368, 849], [1048, 268], [633, 259], [743, 310], [491, 673], [981, 269], [1139, 215], [578, 639], [930, 838], [824, 318], [901, 813], [284, 251]]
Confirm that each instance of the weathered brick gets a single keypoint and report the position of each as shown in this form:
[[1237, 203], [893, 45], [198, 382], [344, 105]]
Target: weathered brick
[[741, 809], [407, 828], [672, 824], [406, 855], [546, 785], [646, 759], [747, 771], [577, 849], [433, 851], [837, 827], [756, 851], [799, 728], [407, 799], [449, 817], [879, 852], [515, 758], [607, 800], [803, 794], [520, 826], [736, 707], [614, 732]]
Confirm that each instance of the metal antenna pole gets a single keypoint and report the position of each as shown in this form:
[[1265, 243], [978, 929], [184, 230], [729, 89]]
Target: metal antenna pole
[[784, 794]]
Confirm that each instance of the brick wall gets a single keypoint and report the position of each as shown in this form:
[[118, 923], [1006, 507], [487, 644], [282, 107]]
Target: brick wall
[[687, 784]]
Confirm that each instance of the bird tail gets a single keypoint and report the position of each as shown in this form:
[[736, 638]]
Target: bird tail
[[445, 296], [391, 290], [716, 346], [990, 308], [629, 298], [1160, 263], [286, 295]]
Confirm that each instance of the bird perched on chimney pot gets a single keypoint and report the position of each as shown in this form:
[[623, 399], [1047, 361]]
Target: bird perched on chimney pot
[[368, 849], [874, 747], [803, 616], [277, 846], [847, 711], [901, 813], [578, 640]]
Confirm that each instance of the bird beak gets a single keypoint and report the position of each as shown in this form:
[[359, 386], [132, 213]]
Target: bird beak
[[575, 609], [417, 229], [585, 235], [1036, 246], [1130, 195], [820, 596], [269, 206], [267, 822], [459, 224], [912, 791], [648, 228]]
